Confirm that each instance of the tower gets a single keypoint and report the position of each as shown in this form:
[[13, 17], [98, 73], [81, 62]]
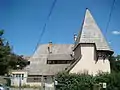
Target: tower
[[91, 49]]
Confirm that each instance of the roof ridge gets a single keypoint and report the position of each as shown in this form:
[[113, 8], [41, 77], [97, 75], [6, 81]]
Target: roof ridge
[[91, 33]]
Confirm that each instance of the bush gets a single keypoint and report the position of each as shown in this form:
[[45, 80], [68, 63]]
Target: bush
[[68, 81], [74, 81]]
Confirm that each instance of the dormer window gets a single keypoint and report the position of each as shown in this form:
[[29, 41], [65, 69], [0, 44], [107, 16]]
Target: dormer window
[[58, 61]]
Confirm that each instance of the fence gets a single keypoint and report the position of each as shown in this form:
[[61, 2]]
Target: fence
[[28, 83]]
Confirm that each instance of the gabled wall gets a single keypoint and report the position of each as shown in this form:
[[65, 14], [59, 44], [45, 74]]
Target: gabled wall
[[88, 63]]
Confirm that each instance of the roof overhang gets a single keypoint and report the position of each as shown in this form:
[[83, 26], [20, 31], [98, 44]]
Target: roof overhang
[[107, 51], [83, 43], [104, 50]]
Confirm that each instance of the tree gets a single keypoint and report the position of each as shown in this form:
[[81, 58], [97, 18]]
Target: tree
[[17, 60], [9, 60], [115, 63], [4, 54]]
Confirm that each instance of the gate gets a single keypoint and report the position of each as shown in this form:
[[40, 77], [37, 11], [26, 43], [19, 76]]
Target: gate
[[48, 83], [49, 86]]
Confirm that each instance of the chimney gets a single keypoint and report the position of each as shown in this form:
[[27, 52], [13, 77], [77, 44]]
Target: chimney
[[50, 47], [75, 37]]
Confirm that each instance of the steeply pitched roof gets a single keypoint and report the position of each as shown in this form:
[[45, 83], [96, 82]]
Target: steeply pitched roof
[[38, 64], [56, 49], [91, 33], [59, 57]]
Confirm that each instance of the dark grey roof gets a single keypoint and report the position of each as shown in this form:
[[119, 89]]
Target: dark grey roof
[[91, 33], [56, 49], [39, 67], [59, 57], [38, 62]]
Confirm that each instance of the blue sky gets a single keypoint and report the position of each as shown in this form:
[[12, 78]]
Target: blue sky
[[23, 20]]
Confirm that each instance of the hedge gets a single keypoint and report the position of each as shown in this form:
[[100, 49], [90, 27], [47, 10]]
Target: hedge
[[68, 81]]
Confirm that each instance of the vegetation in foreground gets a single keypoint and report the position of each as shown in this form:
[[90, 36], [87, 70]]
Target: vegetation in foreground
[[68, 81]]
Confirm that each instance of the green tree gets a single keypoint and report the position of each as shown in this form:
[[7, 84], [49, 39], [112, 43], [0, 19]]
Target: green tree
[[17, 60], [9, 60], [115, 63], [4, 54]]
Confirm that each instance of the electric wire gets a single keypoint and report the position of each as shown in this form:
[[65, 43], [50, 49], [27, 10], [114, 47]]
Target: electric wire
[[109, 18], [45, 24]]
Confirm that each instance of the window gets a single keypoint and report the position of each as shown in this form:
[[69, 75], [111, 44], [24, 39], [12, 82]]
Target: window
[[17, 75], [28, 62], [49, 62], [45, 78], [13, 75], [34, 78], [58, 61], [22, 76], [37, 79]]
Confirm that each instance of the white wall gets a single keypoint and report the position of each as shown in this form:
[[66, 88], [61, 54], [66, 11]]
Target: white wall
[[15, 81], [88, 61]]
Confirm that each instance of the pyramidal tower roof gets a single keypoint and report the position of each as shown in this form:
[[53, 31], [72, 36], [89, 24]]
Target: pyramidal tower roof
[[91, 33]]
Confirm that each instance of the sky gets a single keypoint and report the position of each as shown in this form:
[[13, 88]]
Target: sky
[[23, 21]]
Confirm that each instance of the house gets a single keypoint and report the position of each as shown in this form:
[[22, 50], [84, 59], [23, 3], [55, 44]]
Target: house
[[47, 61], [89, 54]]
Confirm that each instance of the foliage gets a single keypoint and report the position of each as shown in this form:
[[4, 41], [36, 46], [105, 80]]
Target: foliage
[[9, 60], [74, 81], [68, 81], [17, 60], [115, 63]]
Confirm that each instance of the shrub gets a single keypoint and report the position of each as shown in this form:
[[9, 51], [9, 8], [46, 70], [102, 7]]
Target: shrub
[[68, 81]]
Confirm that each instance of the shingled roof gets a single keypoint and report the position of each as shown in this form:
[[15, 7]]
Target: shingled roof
[[91, 33], [38, 62]]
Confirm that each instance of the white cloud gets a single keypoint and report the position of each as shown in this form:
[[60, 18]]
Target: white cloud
[[109, 42], [116, 32]]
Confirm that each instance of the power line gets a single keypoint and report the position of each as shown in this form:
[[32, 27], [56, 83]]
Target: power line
[[54, 2], [110, 14], [45, 24]]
